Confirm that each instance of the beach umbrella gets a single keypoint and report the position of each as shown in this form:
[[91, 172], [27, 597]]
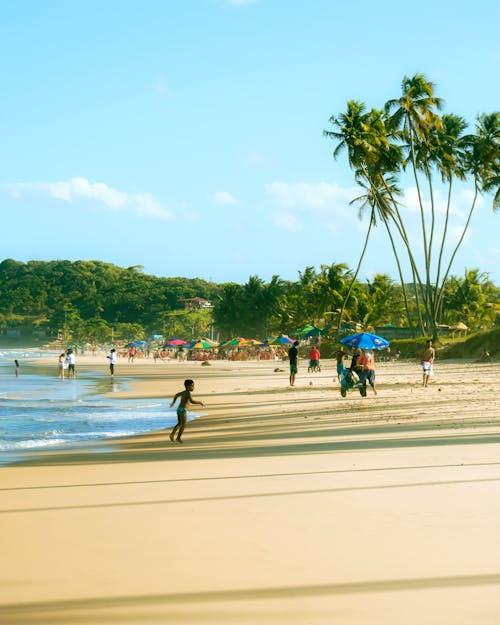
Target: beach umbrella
[[303, 331], [175, 343], [267, 341], [203, 344], [254, 343], [313, 332], [237, 341], [282, 339], [365, 340]]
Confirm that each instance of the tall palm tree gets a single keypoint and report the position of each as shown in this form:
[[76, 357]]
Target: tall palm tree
[[411, 134], [370, 154], [415, 113], [482, 161], [448, 155]]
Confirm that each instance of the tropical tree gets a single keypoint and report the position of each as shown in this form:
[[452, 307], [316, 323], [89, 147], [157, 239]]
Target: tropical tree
[[470, 299], [385, 301], [411, 135]]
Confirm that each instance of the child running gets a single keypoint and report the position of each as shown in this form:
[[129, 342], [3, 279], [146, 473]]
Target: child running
[[186, 399]]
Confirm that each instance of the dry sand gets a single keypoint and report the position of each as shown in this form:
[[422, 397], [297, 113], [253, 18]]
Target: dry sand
[[285, 506]]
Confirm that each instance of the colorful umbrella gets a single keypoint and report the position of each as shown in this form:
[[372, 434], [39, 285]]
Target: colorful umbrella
[[175, 343], [238, 341], [302, 331], [254, 343], [365, 340], [203, 344], [313, 332], [282, 339]]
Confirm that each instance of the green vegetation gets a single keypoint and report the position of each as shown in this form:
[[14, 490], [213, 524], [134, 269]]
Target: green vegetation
[[96, 301], [91, 301], [409, 136]]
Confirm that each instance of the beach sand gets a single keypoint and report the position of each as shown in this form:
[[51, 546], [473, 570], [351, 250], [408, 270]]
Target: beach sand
[[284, 506]]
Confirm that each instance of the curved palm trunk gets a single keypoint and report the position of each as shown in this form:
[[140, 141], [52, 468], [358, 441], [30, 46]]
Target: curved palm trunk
[[401, 279], [431, 292], [349, 290], [441, 250], [420, 201], [417, 282], [426, 293], [398, 222], [445, 277]]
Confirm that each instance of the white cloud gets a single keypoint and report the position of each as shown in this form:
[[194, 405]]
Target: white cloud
[[224, 198], [79, 189], [320, 196]]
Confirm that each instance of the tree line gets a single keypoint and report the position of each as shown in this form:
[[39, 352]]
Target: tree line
[[100, 302]]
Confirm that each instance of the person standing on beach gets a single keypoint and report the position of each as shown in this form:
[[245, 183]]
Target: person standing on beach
[[61, 365], [354, 361], [185, 400], [16, 368], [427, 356], [71, 360], [131, 353], [339, 357], [367, 361], [112, 361], [293, 355], [314, 356]]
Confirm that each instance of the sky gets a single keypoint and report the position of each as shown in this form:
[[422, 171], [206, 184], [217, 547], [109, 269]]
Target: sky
[[186, 136]]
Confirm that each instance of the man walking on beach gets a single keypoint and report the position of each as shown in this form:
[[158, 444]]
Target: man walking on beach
[[367, 361], [293, 354], [427, 356]]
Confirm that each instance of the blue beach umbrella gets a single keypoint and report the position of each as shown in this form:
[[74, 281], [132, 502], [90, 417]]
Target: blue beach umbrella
[[365, 340]]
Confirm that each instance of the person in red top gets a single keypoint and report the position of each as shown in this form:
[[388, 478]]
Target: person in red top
[[367, 361], [314, 357]]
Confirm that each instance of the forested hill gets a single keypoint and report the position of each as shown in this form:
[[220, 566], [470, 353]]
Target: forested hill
[[51, 293]]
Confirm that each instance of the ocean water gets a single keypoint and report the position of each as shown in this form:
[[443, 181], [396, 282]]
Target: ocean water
[[38, 410]]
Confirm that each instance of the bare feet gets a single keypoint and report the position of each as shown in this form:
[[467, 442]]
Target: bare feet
[[179, 440]]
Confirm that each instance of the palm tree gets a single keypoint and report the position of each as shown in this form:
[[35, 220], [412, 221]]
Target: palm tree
[[416, 115], [482, 161], [369, 138], [411, 133]]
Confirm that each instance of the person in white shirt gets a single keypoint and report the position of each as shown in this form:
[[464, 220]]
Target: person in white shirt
[[71, 360], [112, 361]]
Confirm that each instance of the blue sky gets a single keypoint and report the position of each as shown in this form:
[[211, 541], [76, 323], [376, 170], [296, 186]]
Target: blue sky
[[186, 135]]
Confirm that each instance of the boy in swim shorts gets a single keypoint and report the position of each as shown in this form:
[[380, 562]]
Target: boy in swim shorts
[[427, 356], [185, 400]]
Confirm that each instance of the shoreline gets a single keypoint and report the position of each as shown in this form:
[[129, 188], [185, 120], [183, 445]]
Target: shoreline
[[284, 505]]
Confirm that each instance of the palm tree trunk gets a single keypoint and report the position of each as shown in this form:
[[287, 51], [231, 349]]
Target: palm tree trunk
[[441, 249], [401, 279], [344, 303], [445, 277]]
